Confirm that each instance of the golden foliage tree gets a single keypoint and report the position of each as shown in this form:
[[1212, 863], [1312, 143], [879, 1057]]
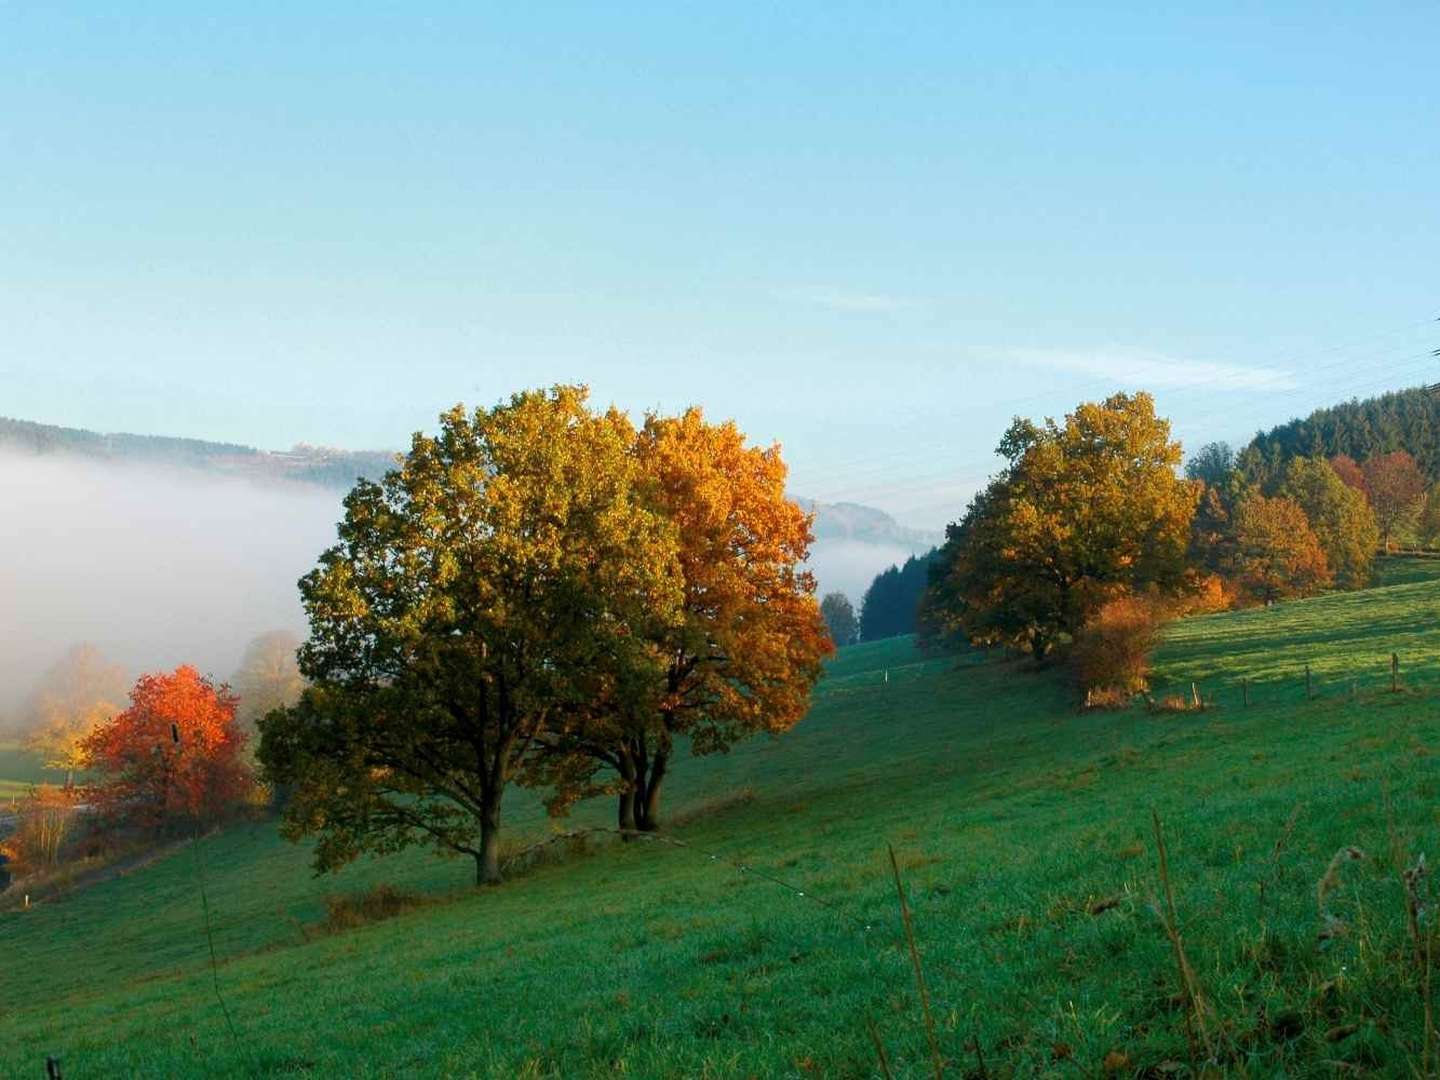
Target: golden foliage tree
[[1340, 516], [72, 698], [1084, 511], [1277, 553], [511, 572]]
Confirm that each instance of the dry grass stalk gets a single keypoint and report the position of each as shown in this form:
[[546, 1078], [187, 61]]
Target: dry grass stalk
[[1424, 944], [879, 1048], [1330, 881], [936, 1058], [1195, 1005], [1281, 843]]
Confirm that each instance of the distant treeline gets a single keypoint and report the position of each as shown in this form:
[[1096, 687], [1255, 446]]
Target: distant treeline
[[892, 602], [308, 464], [1406, 420]]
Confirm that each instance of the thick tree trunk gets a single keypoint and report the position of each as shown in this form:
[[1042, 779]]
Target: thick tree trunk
[[627, 811], [628, 798], [648, 809], [487, 862]]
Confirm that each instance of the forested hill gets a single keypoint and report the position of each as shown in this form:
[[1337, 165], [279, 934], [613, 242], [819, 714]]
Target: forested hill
[[1405, 420], [323, 466]]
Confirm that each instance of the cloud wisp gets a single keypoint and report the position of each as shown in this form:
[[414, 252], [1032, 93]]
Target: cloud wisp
[[1156, 371], [848, 301]]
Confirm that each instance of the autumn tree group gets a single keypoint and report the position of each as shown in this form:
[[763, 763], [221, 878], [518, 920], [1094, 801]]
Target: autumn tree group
[[542, 594], [1091, 524]]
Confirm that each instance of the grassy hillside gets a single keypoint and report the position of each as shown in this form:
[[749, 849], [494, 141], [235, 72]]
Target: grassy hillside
[[1014, 818]]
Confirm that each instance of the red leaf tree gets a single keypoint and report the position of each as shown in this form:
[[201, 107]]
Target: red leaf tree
[[175, 754], [1396, 486]]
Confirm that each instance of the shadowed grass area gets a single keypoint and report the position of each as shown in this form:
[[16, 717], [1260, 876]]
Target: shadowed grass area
[[1023, 832]]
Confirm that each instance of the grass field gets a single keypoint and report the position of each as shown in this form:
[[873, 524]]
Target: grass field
[[20, 770], [1014, 817]]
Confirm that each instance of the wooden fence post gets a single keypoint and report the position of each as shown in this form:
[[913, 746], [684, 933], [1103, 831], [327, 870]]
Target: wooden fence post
[[1309, 693], [1394, 673]]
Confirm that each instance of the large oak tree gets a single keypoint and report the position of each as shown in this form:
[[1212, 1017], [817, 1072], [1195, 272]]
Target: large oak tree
[[512, 572]]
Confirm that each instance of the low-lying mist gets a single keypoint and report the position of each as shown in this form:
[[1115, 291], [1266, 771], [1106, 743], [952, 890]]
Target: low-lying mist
[[156, 567], [163, 566]]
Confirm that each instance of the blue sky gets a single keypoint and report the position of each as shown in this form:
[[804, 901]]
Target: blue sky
[[872, 232]]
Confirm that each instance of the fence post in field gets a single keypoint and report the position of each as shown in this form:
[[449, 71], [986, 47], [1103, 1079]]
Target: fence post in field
[[1394, 673], [1309, 694]]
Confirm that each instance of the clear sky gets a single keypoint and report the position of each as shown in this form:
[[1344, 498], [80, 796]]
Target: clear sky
[[870, 231]]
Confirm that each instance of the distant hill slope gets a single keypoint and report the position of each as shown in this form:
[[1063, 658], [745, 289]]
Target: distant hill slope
[[851, 521], [1404, 420], [338, 469], [320, 465]]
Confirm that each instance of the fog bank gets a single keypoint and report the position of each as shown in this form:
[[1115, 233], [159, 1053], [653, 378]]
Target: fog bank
[[161, 566], [157, 567]]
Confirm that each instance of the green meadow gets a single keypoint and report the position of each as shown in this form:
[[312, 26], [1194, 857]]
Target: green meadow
[[1023, 832]]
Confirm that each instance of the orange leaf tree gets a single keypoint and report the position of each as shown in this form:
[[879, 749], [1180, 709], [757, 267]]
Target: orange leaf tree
[[747, 649], [175, 754]]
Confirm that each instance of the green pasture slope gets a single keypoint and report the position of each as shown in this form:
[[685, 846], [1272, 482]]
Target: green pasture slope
[[1023, 830]]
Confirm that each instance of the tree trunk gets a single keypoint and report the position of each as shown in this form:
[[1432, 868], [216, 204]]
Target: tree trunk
[[649, 803], [487, 862], [625, 816], [627, 810]]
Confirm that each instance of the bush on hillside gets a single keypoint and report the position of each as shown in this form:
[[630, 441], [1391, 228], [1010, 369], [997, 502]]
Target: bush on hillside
[[1208, 594], [381, 902], [42, 829], [1112, 650]]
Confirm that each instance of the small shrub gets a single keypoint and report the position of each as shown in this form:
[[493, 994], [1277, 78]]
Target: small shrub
[[42, 828], [1174, 703], [1112, 651], [1107, 698], [1209, 594], [348, 911]]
